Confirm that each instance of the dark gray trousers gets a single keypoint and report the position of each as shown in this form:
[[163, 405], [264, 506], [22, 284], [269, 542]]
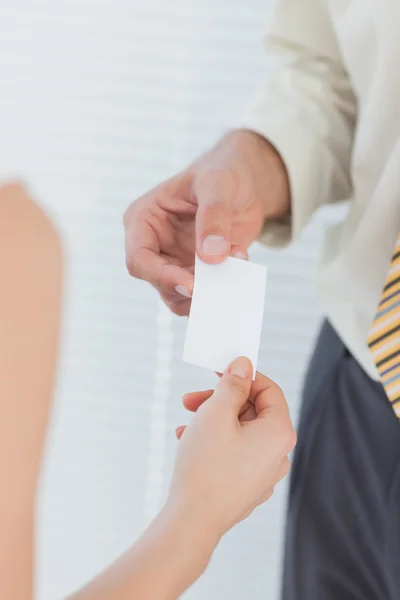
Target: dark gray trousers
[[343, 525]]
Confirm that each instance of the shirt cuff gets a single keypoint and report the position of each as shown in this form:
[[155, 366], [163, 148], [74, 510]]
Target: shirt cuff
[[298, 150]]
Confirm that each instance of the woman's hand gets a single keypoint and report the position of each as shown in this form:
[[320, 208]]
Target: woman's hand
[[235, 450], [230, 458]]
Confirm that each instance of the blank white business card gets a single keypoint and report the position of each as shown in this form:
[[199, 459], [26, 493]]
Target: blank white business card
[[226, 315]]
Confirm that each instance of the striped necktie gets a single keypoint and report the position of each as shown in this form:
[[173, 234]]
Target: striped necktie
[[384, 335]]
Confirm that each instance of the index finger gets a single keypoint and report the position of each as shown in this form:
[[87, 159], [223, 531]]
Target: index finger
[[142, 248], [144, 263], [272, 410], [145, 260], [267, 396]]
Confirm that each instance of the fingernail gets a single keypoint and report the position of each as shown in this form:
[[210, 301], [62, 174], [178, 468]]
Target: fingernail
[[182, 291], [215, 245], [240, 367], [179, 431], [240, 255]]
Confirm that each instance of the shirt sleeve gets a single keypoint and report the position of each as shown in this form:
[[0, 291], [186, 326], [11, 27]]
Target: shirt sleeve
[[307, 111]]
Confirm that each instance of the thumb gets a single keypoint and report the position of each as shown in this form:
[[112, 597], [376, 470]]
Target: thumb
[[233, 389], [214, 217]]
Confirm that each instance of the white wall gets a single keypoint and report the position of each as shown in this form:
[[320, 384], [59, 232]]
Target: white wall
[[99, 100]]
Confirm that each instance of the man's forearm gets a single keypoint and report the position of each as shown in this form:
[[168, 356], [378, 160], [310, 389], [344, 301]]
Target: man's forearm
[[170, 556]]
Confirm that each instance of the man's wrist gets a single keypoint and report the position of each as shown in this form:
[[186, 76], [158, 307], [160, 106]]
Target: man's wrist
[[269, 171], [276, 197]]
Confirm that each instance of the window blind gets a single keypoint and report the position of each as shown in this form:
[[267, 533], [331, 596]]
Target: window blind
[[100, 100]]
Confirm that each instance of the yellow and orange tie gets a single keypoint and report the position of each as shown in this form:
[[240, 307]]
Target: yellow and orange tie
[[384, 335]]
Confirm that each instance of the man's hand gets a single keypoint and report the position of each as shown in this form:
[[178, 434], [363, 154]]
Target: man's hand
[[217, 207]]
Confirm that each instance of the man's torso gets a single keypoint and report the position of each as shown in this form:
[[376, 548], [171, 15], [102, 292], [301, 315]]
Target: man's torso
[[357, 256]]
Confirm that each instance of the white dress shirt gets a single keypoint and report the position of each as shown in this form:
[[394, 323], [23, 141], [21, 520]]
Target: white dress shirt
[[331, 107]]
